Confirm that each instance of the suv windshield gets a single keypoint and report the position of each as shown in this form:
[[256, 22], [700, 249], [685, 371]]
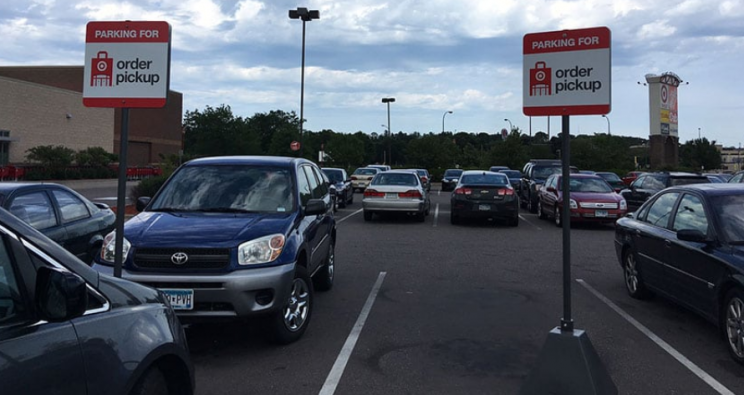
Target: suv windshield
[[452, 173], [688, 180], [228, 188], [334, 176], [545, 171]]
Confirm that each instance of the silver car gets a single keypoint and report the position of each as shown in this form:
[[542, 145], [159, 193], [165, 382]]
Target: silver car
[[396, 191], [362, 176]]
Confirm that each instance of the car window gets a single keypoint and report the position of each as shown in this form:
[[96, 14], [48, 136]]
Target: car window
[[396, 179], [70, 206], [334, 176], [589, 185], [661, 209], [730, 215], [544, 172], [485, 179], [655, 183], [688, 180], [690, 215], [366, 172], [638, 182], [452, 173], [304, 187], [11, 302], [610, 176], [323, 182], [35, 209], [736, 178]]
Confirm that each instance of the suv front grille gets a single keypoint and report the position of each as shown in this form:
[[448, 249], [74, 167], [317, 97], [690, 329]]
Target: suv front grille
[[198, 258]]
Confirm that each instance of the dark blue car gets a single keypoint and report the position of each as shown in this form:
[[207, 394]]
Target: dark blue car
[[235, 237]]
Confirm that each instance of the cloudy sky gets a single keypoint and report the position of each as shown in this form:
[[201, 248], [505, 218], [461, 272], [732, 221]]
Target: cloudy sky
[[433, 56]]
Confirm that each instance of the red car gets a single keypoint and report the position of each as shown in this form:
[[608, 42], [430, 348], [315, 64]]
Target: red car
[[592, 200], [631, 176]]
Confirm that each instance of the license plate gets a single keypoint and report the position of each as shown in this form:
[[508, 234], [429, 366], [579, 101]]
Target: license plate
[[600, 213], [391, 196], [180, 299], [484, 207]]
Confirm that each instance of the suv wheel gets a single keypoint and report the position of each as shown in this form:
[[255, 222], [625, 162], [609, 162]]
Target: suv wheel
[[323, 279], [733, 324], [290, 321]]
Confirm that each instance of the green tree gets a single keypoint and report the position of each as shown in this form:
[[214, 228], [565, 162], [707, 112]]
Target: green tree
[[345, 150], [431, 151], [216, 131], [511, 152], [94, 156], [700, 154], [51, 156]]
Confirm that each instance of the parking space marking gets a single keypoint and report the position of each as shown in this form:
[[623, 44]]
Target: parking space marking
[[661, 343], [529, 222], [329, 387], [436, 215], [344, 218]]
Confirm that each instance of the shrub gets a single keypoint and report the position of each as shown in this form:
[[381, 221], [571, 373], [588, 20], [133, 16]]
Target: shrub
[[148, 187]]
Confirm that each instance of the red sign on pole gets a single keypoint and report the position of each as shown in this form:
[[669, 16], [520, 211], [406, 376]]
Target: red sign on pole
[[567, 72], [294, 146], [127, 64]]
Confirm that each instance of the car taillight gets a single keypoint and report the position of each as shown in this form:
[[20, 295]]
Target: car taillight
[[353, 178], [372, 193], [410, 194], [424, 179], [463, 191], [506, 192]]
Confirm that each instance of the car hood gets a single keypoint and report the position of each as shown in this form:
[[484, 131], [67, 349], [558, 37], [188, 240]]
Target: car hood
[[203, 229]]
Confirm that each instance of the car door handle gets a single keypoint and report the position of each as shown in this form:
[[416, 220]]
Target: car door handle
[[668, 243], [638, 232]]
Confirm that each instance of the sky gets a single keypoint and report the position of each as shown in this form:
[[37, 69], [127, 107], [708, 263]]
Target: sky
[[434, 56]]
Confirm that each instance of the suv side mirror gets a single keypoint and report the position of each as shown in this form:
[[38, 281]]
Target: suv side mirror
[[315, 207], [142, 202], [60, 295]]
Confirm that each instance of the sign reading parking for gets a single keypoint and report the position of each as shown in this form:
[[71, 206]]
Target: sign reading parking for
[[567, 72], [127, 64]]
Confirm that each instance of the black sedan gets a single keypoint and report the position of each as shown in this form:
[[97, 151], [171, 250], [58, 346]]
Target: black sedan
[[61, 214], [686, 243], [484, 194]]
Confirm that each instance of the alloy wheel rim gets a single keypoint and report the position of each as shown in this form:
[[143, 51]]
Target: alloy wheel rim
[[298, 305], [735, 326], [557, 216], [331, 262], [631, 274]]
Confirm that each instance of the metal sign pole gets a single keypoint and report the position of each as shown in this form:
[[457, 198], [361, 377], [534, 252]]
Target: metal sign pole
[[566, 321], [121, 193]]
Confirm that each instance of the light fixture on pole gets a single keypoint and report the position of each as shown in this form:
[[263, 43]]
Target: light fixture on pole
[[698, 133], [388, 100], [444, 115], [608, 124], [511, 127], [305, 15]]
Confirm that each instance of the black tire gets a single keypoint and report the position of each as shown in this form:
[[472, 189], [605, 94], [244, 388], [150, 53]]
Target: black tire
[[557, 217], [342, 203], [367, 215], [152, 382], [540, 213], [732, 319], [454, 219], [514, 222], [351, 200], [290, 321], [531, 204], [633, 281], [323, 279], [421, 217]]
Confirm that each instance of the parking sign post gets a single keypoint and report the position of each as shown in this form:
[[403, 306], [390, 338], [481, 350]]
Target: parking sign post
[[127, 65], [567, 73]]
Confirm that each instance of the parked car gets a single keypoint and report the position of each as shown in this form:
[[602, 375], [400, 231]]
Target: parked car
[[534, 174], [425, 178], [362, 176], [613, 179], [235, 237], [591, 199], [648, 184], [737, 178], [341, 184], [450, 178], [60, 213], [496, 169], [398, 191], [718, 177], [66, 329], [631, 176], [484, 194], [515, 177], [381, 167], [687, 244], [587, 172]]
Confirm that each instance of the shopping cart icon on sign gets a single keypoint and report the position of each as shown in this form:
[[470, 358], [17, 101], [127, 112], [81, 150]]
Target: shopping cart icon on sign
[[102, 71], [540, 80]]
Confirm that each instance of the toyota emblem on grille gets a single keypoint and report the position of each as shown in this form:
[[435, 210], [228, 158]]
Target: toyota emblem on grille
[[179, 258]]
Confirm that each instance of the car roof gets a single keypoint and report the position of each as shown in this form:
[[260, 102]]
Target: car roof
[[281, 161], [712, 189], [7, 187], [331, 168], [580, 175], [470, 172], [677, 174]]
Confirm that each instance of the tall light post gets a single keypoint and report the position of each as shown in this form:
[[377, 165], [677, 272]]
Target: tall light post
[[389, 100], [511, 127], [608, 124], [444, 115], [698, 133], [306, 16]]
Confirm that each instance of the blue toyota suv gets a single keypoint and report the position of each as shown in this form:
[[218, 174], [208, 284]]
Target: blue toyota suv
[[235, 237]]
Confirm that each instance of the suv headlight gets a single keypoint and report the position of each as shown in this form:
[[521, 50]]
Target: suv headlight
[[261, 250], [572, 203], [109, 246], [623, 204]]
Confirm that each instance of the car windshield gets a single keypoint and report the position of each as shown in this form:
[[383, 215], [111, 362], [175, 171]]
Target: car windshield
[[730, 216], [366, 172], [453, 173], [511, 173], [688, 180], [421, 173], [589, 185], [396, 179], [227, 188], [545, 171], [484, 179], [334, 176], [610, 176]]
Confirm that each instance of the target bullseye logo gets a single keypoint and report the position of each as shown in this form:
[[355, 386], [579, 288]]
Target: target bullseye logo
[[101, 66], [540, 75]]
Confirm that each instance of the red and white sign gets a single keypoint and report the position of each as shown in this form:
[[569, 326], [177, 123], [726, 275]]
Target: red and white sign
[[127, 64], [567, 72], [294, 146]]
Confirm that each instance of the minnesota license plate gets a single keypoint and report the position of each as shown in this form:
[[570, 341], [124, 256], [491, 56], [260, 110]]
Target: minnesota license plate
[[484, 207], [180, 299], [600, 213]]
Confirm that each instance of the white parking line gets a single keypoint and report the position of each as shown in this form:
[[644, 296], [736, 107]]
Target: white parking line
[[529, 222], [344, 218], [436, 215], [329, 387], [661, 343]]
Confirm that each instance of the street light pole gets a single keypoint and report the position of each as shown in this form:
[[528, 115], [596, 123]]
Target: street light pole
[[511, 127], [389, 100], [306, 16], [444, 115], [698, 133], [608, 124]]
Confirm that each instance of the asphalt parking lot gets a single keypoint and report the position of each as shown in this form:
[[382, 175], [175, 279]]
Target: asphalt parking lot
[[433, 308]]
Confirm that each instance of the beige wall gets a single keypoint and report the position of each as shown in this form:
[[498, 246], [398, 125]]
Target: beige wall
[[38, 115]]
